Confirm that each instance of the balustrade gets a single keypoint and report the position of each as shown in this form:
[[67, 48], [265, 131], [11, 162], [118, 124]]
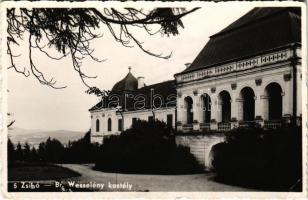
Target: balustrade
[[236, 66]]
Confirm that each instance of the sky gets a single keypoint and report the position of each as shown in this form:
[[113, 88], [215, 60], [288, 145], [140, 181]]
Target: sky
[[35, 106]]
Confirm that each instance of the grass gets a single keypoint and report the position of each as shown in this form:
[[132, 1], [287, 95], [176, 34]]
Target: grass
[[24, 171]]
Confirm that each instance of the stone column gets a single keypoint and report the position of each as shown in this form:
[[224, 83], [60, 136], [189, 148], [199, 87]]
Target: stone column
[[264, 106], [299, 92], [234, 113], [258, 103], [214, 112], [287, 98], [219, 110], [197, 108], [234, 104], [181, 114], [197, 111], [240, 107], [214, 107]]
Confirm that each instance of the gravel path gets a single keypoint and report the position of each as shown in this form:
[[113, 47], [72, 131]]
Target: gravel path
[[156, 183]]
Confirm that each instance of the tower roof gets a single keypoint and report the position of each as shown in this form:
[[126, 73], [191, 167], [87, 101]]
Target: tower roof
[[129, 82], [260, 30]]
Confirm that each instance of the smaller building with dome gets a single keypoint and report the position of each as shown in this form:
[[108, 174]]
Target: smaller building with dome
[[131, 99]]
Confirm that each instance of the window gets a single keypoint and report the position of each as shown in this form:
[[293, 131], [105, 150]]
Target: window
[[134, 120], [273, 106], [150, 119], [109, 124], [169, 120], [189, 109], [206, 108], [120, 125], [97, 125], [224, 100]]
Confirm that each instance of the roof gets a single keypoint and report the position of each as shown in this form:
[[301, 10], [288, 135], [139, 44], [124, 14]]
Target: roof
[[129, 82], [260, 30], [164, 89]]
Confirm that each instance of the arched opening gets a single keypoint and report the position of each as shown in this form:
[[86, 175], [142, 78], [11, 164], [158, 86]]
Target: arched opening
[[248, 104], [109, 124], [206, 108], [189, 110], [225, 105], [97, 125], [274, 105]]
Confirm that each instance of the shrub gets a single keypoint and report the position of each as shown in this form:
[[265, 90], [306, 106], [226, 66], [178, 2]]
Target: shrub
[[53, 151], [261, 159], [82, 150], [146, 148]]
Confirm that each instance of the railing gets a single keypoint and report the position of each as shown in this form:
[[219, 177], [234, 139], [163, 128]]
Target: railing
[[205, 126], [224, 126], [272, 124], [236, 66], [187, 127], [246, 124]]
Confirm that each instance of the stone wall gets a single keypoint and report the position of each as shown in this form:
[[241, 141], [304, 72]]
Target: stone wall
[[200, 146]]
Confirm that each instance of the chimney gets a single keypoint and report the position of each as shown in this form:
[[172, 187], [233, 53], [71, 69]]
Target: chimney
[[187, 65], [140, 82]]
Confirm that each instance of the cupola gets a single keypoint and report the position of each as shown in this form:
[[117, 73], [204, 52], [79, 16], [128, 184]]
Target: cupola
[[129, 82]]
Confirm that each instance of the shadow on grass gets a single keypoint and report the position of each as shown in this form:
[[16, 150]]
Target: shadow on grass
[[25, 171]]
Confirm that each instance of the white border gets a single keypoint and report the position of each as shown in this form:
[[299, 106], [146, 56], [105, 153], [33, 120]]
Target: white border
[[154, 195]]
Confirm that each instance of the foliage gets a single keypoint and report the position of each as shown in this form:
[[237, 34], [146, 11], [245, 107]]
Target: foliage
[[53, 151], [262, 159], [11, 154], [147, 147], [70, 30], [82, 150]]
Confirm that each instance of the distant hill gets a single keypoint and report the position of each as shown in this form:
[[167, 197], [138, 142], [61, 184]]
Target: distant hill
[[34, 137]]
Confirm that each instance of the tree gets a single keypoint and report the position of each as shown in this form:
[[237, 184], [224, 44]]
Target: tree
[[54, 150], [19, 152], [146, 147], [70, 30], [27, 151], [81, 151], [10, 151], [34, 155]]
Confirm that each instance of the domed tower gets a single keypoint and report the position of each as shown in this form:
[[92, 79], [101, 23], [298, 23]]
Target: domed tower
[[128, 83]]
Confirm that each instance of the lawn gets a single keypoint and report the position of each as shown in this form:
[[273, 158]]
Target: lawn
[[24, 171]]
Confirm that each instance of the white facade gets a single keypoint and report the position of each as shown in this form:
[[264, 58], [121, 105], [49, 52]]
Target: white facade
[[237, 80], [256, 73], [102, 117]]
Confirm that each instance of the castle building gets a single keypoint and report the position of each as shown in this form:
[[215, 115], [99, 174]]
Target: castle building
[[248, 73], [131, 100]]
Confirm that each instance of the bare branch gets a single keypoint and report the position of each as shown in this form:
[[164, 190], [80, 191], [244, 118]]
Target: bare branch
[[11, 123], [47, 54], [70, 30], [149, 19], [37, 73], [25, 72]]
